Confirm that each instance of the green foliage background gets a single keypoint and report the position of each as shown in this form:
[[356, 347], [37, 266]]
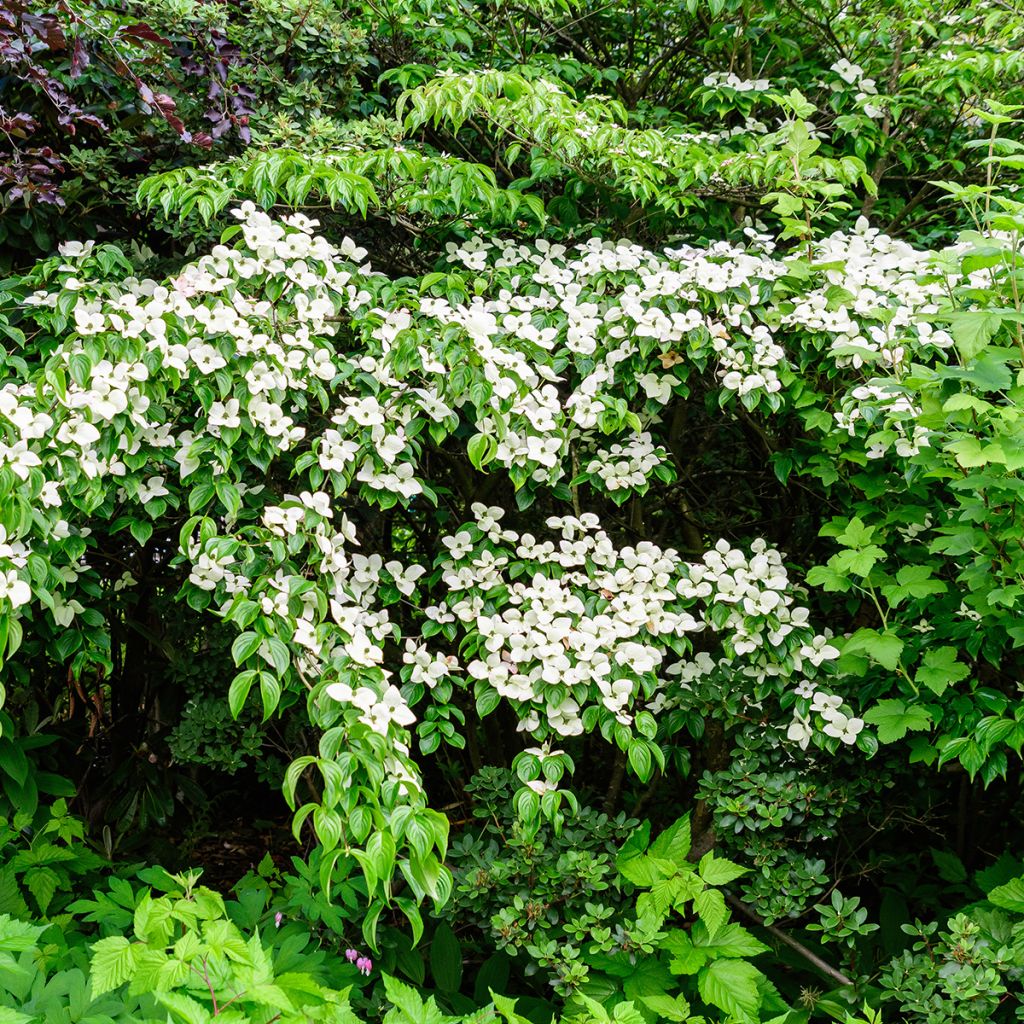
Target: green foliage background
[[730, 855]]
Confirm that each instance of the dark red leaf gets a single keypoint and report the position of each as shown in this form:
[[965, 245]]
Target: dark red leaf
[[79, 58], [144, 32]]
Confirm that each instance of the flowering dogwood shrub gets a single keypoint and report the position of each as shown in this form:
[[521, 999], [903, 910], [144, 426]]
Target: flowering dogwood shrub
[[307, 440]]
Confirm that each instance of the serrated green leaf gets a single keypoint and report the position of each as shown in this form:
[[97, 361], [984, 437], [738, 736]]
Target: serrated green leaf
[[717, 870], [112, 963], [711, 909], [894, 718], [733, 987]]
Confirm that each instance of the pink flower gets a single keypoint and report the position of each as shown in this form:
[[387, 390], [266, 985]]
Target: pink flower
[[351, 955], [364, 965], [278, 918]]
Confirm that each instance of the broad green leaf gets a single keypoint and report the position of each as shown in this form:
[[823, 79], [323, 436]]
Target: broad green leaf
[[894, 718], [731, 940], [183, 1009], [882, 648], [17, 936], [672, 1008], [717, 870], [112, 963], [685, 956], [1009, 896], [711, 909], [940, 669], [972, 331], [732, 986], [446, 959]]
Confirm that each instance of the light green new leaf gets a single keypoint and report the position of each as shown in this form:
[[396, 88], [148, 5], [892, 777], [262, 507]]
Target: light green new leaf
[[732, 986], [183, 1009], [408, 1006], [972, 331], [17, 936], [686, 958], [711, 909], [717, 870], [894, 718], [112, 963], [882, 648], [731, 940], [1009, 896], [940, 669], [668, 1007], [506, 1009]]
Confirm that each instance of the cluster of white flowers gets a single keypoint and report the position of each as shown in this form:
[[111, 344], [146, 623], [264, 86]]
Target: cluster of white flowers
[[540, 361], [765, 635], [607, 331], [873, 272], [587, 624], [752, 367], [853, 74], [729, 80], [377, 711], [163, 390], [837, 723], [627, 466]]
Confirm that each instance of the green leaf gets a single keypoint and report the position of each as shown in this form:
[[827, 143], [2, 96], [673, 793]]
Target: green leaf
[[640, 759], [18, 936], [270, 693], [940, 669], [446, 959], [381, 850], [415, 918], [244, 646], [276, 653], [829, 579], [42, 882], [913, 581], [711, 909], [141, 530], [972, 331], [112, 963], [685, 956], [369, 928], [505, 1008], [80, 368], [627, 1013], [328, 827], [1009, 896], [481, 450], [989, 373], [674, 843], [410, 1006], [951, 868], [733, 987], [894, 718], [731, 940], [184, 1009], [718, 870], [668, 1007], [882, 648], [487, 699], [856, 534], [239, 691], [642, 870]]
